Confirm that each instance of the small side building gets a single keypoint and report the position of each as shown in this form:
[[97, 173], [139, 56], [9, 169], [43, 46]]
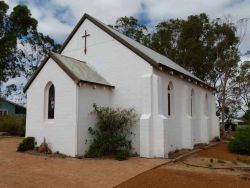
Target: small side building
[[10, 108]]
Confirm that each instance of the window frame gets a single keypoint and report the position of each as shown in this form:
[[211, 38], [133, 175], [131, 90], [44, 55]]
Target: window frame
[[170, 99], [192, 103], [46, 102]]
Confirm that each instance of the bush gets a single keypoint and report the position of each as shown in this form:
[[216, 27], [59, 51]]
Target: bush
[[241, 142], [111, 133], [27, 144], [13, 125]]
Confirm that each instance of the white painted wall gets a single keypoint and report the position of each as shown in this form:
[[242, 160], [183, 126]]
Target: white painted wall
[[59, 132], [87, 96], [117, 64], [183, 130]]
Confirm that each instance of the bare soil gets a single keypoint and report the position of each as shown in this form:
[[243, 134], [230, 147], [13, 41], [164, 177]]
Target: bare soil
[[219, 151], [19, 170], [172, 178], [180, 175]]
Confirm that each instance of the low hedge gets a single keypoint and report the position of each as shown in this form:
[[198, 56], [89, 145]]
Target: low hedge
[[27, 144], [13, 125], [241, 142]]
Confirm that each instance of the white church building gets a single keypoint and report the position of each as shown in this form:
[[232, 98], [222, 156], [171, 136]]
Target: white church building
[[97, 64]]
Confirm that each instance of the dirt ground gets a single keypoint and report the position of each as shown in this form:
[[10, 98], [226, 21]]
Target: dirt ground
[[172, 178], [220, 151], [27, 170], [180, 175]]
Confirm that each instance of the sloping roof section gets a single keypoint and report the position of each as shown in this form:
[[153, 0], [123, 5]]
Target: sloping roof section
[[79, 71], [8, 101], [152, 57]]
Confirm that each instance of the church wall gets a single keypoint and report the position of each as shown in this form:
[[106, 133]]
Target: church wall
[[87, 96], [60, 131], [119, 66], [182, 129]]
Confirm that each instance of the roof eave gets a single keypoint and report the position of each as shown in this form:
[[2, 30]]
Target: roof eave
[[189, 78], [96, 83]]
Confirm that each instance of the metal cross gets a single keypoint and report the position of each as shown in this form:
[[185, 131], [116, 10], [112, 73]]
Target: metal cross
[[85, 37]]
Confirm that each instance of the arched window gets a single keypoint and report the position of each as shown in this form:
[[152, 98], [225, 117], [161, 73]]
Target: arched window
[[51, 102], [206, 105], [192, 103], [170, 99]]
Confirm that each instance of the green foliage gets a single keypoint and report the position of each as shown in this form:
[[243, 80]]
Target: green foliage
[[27, 144], [241, 142], [20, 26], [13, 125], [133, 29], [246, 116], [241, 89], [111, 135], [198, 44], [13, 26]]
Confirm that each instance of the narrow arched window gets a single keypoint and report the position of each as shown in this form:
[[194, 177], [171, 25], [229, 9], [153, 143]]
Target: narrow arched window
[[51, 102], [192, 103], [170, 99], [206, 105]]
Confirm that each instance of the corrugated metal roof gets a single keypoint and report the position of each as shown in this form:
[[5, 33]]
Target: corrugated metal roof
[[79, 70]]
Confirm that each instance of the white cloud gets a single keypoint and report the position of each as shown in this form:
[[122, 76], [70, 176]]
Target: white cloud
[[109, 10], [165, 9]]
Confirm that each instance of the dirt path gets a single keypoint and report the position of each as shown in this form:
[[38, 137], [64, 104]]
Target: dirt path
[[172, 178], [179, 175], [220, 151], [26, 170]]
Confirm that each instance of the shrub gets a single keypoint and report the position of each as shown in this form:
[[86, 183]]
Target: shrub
[[13, 125], [241, 142], [27, 144], [112, 132]]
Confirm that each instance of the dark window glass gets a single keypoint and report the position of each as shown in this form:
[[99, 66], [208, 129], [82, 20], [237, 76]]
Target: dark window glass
[[169, 105], [169, 101], [51, 102]]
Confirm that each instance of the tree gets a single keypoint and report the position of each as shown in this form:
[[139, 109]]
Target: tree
[[241, 86], [189, 43], [22, 49], [133, 29], [15, 26], [246, 116]]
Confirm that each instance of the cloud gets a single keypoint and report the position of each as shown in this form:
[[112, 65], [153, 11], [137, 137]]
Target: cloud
[[58, 17]]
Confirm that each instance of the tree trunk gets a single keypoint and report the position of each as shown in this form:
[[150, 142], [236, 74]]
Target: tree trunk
[[223, 105]]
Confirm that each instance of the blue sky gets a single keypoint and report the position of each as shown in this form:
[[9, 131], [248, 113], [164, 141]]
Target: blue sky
[[58, 17]]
